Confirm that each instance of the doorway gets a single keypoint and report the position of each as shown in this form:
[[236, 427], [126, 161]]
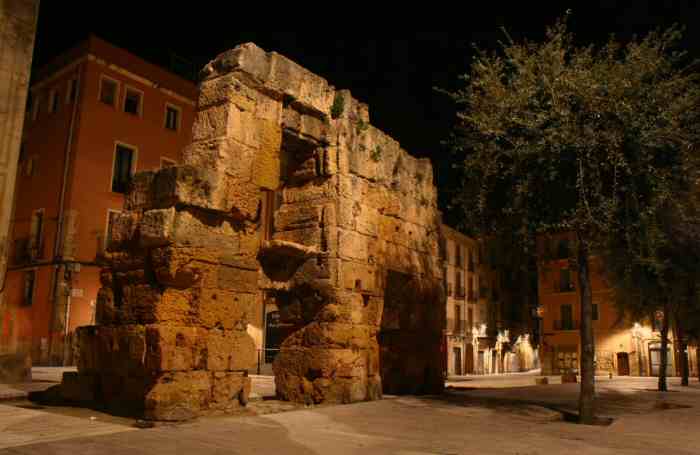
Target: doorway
[[457, 356], [469, 359], [655, 360], [623, 364]]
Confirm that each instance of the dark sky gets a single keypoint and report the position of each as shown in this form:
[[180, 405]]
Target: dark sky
[[395, 73]]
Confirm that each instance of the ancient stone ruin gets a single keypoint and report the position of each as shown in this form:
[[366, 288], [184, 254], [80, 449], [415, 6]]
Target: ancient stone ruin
[[287, 193]]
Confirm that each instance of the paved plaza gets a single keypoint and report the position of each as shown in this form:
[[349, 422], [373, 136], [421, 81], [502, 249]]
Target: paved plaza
[[477, 415]]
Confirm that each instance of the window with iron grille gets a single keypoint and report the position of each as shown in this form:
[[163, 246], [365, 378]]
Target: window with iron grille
[[124, 158], [132, 101], [29, 285], [172, 118], [108, 91]]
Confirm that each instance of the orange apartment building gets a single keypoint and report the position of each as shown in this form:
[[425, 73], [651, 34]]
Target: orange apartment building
[[96, 115], [624, 347]]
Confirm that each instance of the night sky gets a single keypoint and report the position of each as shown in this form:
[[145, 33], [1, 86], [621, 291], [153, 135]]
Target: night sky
[[394, 73]]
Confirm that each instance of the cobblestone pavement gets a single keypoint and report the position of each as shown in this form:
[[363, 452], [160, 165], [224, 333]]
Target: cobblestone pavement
[[508, 420]]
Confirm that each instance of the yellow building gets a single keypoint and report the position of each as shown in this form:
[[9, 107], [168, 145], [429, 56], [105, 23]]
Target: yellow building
[[623, 346], [481, 337]]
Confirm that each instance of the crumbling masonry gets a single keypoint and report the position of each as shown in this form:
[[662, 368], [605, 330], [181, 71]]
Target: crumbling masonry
[[287, 193]]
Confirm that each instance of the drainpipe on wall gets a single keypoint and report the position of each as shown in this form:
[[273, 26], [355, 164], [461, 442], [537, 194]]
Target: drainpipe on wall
[[58, 241]]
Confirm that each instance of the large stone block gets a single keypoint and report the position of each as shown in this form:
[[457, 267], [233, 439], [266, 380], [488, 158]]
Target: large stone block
[[173, 348], [231, 279], [225, 309], [227, 89], [230, 390], [336, 335], [182, 268], [178, 396], [267, 162], [229, 350], [353, 245]]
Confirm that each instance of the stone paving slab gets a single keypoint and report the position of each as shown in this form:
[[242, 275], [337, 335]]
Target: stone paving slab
[[413, 425], [44, 377], [491, 420]]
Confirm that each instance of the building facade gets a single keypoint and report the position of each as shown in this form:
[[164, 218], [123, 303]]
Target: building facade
[[624, 347], [487, 330], [97, 114]]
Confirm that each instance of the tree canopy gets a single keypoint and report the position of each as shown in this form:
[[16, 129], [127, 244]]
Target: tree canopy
[[591, 139]]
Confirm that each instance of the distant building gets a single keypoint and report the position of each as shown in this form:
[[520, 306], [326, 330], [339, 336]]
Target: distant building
[[97, 114], [482, 336], [624, 347]]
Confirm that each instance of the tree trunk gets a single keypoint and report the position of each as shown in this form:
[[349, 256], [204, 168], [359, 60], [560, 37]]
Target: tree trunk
[[697, 358], [587, 395], [682, 347], [685, 368], [663, 386]]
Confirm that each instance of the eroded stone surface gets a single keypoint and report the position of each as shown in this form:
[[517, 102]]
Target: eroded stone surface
[[282, 198]]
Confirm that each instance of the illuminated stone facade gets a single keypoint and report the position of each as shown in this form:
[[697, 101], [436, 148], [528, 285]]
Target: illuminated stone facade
[[287, 194]]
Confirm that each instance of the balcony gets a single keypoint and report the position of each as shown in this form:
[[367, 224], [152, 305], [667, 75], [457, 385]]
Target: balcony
[[456, 327], [564, 287], [566, 325], [27, 252], [484, 292]]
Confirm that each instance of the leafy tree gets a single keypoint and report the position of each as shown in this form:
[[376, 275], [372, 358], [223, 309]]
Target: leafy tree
[[653, 262], [559, 137]]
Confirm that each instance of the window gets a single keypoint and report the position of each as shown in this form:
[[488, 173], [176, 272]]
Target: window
[[132, 101], [111, 218], [595, 311], [565, 284], [72, 91], [29, 285], [656, 321], [172, 117], [442, 245], [36, 107], [458, 318], [29, 167], [53, 101], [124, 160], [563, 249], [458, 255], [166, 162], [567, 317], [36, 234], [108, 90], [470, 318], [459, 279]]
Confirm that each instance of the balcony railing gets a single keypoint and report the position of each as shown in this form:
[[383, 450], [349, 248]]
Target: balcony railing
[[456, 327], [564, 287], [566, 325], [27, 252]]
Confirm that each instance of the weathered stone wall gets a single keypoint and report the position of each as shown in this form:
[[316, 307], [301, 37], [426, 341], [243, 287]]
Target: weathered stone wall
[[17, 29], [287, 193]]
